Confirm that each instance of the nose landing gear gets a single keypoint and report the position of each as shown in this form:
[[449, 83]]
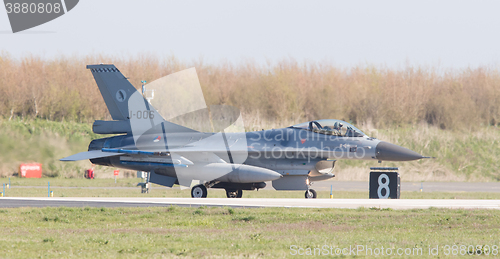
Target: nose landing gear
[[311, 194]]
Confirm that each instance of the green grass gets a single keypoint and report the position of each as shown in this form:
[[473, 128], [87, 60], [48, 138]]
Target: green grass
[[108, 188], [73, 131], [44, 142], [164, 192], [72, 182], [226, 232]]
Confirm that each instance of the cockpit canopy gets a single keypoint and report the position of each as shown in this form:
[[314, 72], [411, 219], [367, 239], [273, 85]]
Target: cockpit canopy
[[331, 127]]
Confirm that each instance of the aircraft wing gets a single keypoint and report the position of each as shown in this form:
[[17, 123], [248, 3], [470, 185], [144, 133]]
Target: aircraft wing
[[89, 155], [198, 150]]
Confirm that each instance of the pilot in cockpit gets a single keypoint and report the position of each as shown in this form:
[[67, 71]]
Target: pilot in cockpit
[[338, 128]]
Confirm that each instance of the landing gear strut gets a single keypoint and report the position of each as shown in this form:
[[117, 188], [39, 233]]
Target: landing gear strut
[[199, 191], [234, 193], [311, 194]]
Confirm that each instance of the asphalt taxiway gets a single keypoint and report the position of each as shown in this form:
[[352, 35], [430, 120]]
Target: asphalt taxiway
[[9, 202], [350, 186]]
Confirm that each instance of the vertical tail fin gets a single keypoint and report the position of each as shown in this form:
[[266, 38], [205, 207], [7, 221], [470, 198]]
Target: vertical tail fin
[[115, 90], [124, 101]]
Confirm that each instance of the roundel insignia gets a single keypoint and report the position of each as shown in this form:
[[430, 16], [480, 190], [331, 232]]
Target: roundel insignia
[[121, 95]]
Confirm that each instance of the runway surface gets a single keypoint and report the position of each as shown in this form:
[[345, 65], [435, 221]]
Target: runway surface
[[9, 202], [355, 186]]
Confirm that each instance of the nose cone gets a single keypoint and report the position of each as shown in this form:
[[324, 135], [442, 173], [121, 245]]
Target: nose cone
[[390, 152]]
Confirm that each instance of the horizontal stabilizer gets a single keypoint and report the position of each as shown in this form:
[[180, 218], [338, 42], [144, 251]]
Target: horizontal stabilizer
[[112, 127], [89, 155]]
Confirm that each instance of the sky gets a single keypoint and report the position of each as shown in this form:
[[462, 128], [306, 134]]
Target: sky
[[451, 34]]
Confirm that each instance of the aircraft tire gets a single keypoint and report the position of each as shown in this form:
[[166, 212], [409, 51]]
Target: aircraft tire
[[234, 193], [311, 194], [199, 191]]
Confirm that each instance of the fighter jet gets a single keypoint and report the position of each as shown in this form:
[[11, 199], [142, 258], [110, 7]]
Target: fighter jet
[[291, 158]]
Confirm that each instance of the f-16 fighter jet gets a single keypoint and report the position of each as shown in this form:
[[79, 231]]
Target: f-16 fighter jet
[[291, 158]]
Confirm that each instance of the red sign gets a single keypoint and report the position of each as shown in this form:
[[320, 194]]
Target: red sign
[[116, 172], [89, 174], [33, 170]]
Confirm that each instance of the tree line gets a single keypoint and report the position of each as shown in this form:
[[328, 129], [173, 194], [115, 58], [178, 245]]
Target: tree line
[[61, 89]]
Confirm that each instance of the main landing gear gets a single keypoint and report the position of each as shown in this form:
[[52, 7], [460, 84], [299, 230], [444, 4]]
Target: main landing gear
[[311, 194], [200, 191], [234, 193]]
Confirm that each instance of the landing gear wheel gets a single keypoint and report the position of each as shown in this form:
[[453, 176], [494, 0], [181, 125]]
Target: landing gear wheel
[[234, 193], [199, 191], [311, 194]]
